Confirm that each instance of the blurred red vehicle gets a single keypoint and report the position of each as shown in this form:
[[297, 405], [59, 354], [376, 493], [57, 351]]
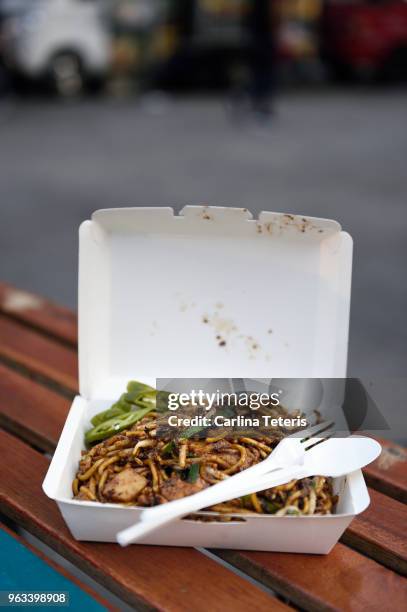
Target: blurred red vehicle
[[366, 38]]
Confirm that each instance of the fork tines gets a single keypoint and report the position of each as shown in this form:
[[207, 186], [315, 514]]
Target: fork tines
[[316, 433]]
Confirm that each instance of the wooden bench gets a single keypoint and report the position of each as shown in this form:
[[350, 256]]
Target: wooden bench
[[38, 378]]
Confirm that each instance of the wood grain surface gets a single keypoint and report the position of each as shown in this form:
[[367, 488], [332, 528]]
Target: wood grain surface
[[388, 473], [30, 410], [147, 577], [41, 355], [379, 532], [38, 313], [342, 580]]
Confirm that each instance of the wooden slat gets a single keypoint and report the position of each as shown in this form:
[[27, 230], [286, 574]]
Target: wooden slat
[[146, 577], [38, 353], [388, 473], [38, 313], [37, 415], [379, 532], [343, 580], [58, 568], [31, 411]]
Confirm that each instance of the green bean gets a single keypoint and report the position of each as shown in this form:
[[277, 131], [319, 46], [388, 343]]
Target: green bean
[[119, 408], [193, 473], [115, 425]]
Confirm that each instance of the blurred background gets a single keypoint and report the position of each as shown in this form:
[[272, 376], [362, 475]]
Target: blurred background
[[297, 106]]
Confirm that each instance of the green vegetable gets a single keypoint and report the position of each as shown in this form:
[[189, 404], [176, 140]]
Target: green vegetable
[[225, 411], [168, 448], [191, 431], [293, 512], [115, 425], [143, 395], [136, 389], [139, 399], [271, 507], [138, 395], [162, 401], [119, 408], [193, 473], [245, 499]]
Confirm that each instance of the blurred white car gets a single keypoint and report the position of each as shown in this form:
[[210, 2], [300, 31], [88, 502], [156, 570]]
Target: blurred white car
[[65, 41]]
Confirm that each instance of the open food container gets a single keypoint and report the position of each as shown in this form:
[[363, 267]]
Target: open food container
[[156, 292]]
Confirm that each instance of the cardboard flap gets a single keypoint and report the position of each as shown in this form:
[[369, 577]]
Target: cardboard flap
[[211, 292]]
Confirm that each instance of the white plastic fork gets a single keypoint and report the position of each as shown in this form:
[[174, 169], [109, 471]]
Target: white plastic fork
[[289, 452]]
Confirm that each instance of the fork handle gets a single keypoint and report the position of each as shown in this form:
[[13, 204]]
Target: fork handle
[[221, 492], [228, 486], [153, 518]]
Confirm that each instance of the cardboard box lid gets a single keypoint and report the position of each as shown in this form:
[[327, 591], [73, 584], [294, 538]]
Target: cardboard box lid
[[210, 293]]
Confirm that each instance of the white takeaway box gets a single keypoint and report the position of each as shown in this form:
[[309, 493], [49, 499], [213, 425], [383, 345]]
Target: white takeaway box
[[156, 291]]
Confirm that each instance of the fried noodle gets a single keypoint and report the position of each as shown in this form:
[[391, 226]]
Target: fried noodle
[[134, 467]]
